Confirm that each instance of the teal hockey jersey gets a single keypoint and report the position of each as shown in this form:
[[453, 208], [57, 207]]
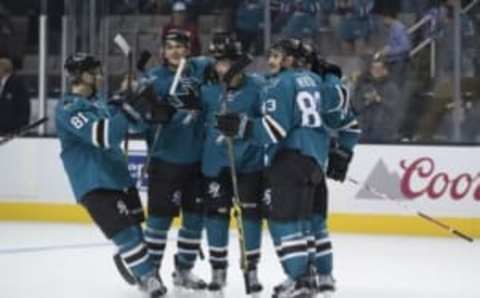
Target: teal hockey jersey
[[90, 134], [243, 100], [302, 113], [181, 140]]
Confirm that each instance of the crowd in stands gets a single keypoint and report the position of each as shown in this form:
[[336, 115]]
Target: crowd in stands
[[393, 90]]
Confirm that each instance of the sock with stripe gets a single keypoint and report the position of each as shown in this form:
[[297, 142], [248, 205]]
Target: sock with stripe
[[291, 246], [156, 232], [217, 236], [323, 246], [134, 252], [253, 236], [189, 239]]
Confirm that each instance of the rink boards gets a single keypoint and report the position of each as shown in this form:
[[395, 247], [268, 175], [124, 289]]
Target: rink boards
[[441, 181]]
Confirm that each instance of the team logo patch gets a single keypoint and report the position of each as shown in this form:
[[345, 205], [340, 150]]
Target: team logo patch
[[122, 207], [267, 197], [177, 197], [214, 189]]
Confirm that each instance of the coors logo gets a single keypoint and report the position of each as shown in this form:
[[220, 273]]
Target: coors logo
[[421, 177], [433, 183]]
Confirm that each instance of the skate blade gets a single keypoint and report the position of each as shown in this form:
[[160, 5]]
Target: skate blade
[[326, 294], [181, 292], [217, 294]]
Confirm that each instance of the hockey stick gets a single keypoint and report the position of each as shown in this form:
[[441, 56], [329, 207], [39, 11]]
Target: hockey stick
[[236, 69], [171, 92], [423, 215], [122, 43], [22, 130]]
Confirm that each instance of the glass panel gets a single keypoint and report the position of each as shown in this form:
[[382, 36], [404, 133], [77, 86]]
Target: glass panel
[[400, 97]]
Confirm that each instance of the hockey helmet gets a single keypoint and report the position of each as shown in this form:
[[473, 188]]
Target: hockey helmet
[[289, 46], [224, 45], [78, 63], [177, 35]]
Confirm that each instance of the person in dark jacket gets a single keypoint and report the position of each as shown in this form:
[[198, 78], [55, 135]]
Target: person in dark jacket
[[377, 100], [14, 99]]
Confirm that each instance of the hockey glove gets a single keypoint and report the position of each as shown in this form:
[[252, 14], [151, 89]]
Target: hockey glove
[[136, 104], [233, 125], [160, 113], [338, 161]]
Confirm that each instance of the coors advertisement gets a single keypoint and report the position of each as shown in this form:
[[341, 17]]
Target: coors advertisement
[[421, 177], [441, 180]]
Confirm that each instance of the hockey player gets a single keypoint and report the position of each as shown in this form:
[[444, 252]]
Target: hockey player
[[90, 133], [240, 93], [174, 171], [297, 111], [328, 75]]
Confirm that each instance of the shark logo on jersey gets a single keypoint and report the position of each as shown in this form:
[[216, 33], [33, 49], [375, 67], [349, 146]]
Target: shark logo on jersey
[[214, 189], [267, 197], [122, 207], [177, 197]]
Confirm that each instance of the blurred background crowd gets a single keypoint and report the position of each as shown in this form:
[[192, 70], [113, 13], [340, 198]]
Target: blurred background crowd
[[412, 66]]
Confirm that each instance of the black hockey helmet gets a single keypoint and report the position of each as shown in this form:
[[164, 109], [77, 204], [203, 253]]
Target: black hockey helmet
[[177, 35], [308, 54], [78, 63], [289, 46], [224, 45]]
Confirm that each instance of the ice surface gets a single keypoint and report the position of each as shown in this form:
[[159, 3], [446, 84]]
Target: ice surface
[[365, 266]]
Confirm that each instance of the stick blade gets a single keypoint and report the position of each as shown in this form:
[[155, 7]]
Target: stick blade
[[122, 43]]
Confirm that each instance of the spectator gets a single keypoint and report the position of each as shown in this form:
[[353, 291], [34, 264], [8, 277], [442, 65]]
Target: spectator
[[378, 102], [442, 29], [249, 25], [397, 50], [356, 25], [14, 99], [327, 7], [302, 22], [179, 21]]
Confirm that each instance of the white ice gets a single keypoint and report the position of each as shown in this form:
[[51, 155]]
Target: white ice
[[365, 266]]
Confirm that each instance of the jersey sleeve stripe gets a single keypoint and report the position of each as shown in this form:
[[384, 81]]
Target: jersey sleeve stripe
[[342, 100], [100, 134], [276, 127], [94, 134], [353, 126], [269, 131], [106, 129]]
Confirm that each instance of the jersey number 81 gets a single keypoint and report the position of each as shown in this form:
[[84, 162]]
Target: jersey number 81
[[308, 104]]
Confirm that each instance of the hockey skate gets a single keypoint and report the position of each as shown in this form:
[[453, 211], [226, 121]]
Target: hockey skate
[[153, 286], [219, 280], [294, 289], [184, 278], [252, 285], [325, 285]]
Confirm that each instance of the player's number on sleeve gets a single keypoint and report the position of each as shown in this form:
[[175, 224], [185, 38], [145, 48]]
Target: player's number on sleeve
[[308, 104], [79, 120]]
